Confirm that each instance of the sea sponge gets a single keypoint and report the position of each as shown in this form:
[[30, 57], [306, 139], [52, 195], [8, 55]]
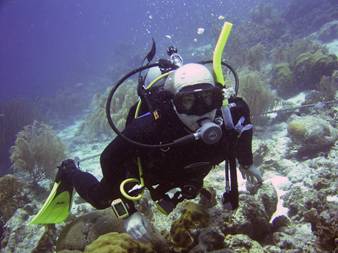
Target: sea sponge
[[118, 243], [311, 134], [38, 151]]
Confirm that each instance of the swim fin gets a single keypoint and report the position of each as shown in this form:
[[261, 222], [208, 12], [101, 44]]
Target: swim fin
[[57, 206]]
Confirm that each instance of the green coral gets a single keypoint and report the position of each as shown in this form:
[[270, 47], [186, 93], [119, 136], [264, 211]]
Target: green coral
[[96, 124], [288, 53], [256, 93], [38, 151], [118, 243], [282, 78], [310, 67]]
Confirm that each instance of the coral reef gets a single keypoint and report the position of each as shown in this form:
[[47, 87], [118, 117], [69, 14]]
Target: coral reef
[[87, 228], [255, 56], [16, 239], [96, 124], [209, 240], [38, 151], [310, 67], [304, 65], [288, 52], [256, 93], [282, 79], [328, 86], [47, 241], [242, 243], [193, 217], [310, 138], [253, 215], [11, 196], [323, 221], [117, 242], [16, 114], [295, 239]]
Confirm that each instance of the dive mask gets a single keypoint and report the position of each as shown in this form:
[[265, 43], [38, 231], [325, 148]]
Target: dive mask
[[198, 99]]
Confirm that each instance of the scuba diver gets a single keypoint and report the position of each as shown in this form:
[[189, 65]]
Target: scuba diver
[[184, 109]]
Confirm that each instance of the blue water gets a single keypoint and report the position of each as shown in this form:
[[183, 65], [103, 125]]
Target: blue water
[[47, 45]]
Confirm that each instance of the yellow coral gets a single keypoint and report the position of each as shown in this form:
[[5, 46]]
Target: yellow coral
[[117, 243]]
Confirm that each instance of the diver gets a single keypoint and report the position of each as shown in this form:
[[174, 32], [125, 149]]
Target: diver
[[180, 128], [189, 99]]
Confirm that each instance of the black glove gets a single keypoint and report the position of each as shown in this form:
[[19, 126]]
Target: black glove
[[66, 170]]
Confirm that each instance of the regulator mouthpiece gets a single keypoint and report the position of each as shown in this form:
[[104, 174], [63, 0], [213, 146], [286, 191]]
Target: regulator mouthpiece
[[209, 132]]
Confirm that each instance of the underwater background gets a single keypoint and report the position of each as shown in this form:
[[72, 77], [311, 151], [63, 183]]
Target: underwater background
[[58, 61]]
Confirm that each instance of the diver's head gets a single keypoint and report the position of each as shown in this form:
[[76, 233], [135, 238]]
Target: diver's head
[[195, 96]]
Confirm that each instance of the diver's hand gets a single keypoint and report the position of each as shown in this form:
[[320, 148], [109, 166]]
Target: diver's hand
[[251, 173], [137, 226]]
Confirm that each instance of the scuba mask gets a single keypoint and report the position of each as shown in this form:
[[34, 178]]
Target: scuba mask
[[198, 99]]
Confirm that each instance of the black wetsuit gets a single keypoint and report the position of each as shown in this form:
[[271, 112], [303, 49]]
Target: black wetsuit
[[172, 167]]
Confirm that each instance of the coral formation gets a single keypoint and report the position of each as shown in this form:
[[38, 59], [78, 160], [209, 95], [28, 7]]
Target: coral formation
[[310, 138], [242, 243], [118, 242], [38, 151], [289, 52], [282, 79], [253, 215], [256, 93], [11, 197], [310, 67], [15, 115], [323, 221], [193, 217], [255, 56], [209, 240], [87, 228], [96, 124], [328, 86]]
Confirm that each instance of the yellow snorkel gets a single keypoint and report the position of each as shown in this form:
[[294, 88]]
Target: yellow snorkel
[[218, 52]]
